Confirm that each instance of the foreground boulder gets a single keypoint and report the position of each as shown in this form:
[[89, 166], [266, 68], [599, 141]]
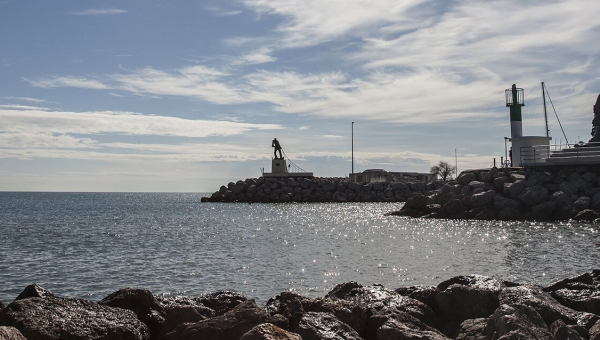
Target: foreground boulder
[[143, 304], [517, 322], [324, 326], [34, 290], [549, 309], [390, 323], [10, 333], [470, 307], [375, 298], [580, 293], [57, 318], [458, 303], [228, 326], [267, 331]]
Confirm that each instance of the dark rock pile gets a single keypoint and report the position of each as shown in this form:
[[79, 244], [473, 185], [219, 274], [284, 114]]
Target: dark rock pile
[[469, 307], [508, 194], [318, 189]]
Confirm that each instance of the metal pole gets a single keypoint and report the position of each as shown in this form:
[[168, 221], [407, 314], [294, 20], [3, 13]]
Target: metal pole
[[505, 152], [545, 113], [353, 147], [455, 163]]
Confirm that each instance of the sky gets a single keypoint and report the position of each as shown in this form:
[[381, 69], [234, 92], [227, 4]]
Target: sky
[[187, 95]]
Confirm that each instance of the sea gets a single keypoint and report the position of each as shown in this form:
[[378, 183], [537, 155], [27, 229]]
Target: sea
[[88, 245]]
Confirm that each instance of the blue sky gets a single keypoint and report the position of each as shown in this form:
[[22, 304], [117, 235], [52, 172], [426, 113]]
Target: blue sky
[[186, 95]]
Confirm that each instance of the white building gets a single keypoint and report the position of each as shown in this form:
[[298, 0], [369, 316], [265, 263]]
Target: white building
[[380, 175]]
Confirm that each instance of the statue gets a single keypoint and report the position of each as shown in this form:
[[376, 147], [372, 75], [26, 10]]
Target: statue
[[277, 147], [596, 123]]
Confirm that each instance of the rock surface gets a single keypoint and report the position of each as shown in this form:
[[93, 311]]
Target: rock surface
[[513, 194], [470, 307], [10, 333], [65, 319], [318, 189], [267, 331]]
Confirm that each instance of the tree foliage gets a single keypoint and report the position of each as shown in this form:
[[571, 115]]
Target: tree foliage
[[443, 170]]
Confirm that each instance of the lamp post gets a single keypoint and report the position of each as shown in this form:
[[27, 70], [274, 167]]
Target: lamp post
[[505, 152], [352, 147]]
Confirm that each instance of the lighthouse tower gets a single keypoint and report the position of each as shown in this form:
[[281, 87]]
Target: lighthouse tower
[[525, 149], [515, 100]]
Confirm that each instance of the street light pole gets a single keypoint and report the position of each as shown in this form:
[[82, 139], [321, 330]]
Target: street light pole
[[353, 147]]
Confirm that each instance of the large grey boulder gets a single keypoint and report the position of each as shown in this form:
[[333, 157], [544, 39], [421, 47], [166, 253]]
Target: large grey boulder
[[452, 208], [180, 315], [267, 331], [559, 197], [534, 297], [596, 201], [517, 176], [390, 323], [142, 303], [579, 296], [459, 302], [393, 329], [545, 208], [582, 202], [534, 195], [515, 322], [34, 290], [483, 199], [595, 331], [230, 326], [349, 312], [425, 294], [474, 281], [538, 178], [513, 190], [324, 326], [501, 202], [473, 329], [466, 177], [10, 333], [58, 318], [587, 215], [577, 182], [222, 301], [376, 298], [561, 331], [500, 181]]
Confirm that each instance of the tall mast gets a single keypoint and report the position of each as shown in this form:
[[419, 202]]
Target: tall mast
[[545, 112]]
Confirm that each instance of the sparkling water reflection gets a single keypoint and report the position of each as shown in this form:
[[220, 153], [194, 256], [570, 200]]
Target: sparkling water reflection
[[90, 244]]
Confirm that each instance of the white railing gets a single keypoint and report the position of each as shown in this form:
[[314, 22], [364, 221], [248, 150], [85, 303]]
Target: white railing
[[534, 154], [561, 153]]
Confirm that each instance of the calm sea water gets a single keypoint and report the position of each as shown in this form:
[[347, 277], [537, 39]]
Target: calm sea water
[[88, 245]]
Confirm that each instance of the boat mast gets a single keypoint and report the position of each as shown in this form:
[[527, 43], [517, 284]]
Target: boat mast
[[545, 112]]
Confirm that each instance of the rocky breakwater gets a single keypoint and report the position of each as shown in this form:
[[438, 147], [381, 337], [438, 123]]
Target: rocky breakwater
[[464, 307], [512, 194], [318, 189]]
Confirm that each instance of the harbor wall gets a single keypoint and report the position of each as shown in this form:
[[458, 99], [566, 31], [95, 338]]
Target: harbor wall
[[319, 189], [542, 194], [513, 194]]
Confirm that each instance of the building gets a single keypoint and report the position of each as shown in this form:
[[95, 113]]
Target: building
[[380, 175]]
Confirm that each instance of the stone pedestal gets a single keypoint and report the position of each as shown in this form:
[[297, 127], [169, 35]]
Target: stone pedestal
[[279, 166]]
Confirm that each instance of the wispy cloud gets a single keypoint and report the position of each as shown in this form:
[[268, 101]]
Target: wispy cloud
[[33, 120], [260, 56], [101, 11], [313, 22], [26, 99], [220, 12], [77, 82]]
